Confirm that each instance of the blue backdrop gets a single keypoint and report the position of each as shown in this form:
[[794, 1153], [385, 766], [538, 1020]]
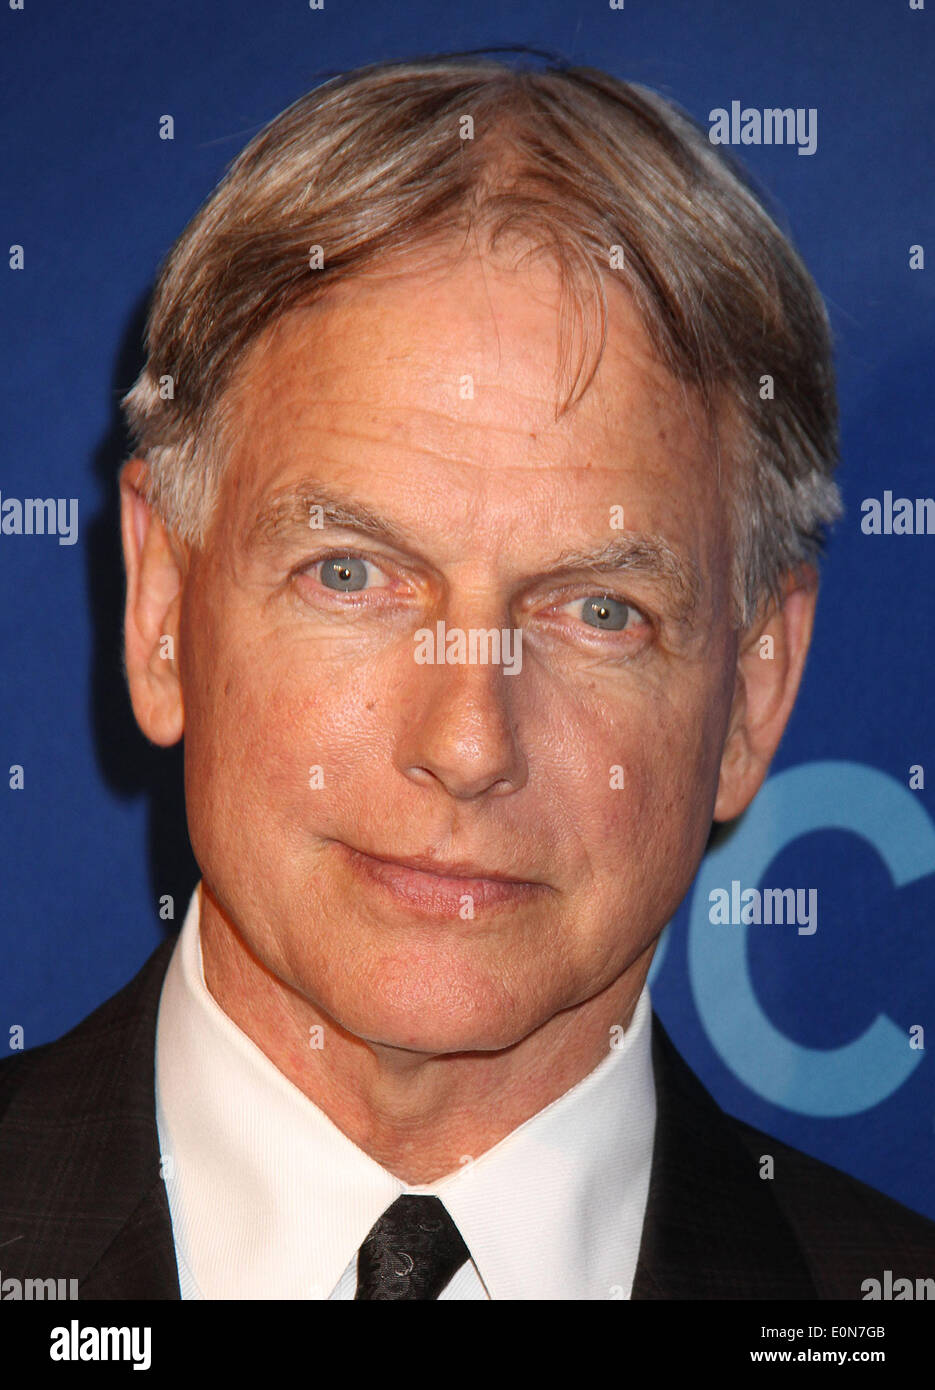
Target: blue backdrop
[[805, 1035]]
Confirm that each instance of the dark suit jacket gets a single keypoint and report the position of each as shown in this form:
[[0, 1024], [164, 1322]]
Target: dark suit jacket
[[81, 1195]]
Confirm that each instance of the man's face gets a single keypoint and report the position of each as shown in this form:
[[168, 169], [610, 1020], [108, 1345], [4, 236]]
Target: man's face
[[424, 401]]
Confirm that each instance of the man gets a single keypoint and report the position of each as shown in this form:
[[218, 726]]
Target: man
[[479, 578]]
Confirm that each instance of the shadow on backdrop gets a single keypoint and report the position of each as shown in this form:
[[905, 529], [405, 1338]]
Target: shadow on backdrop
[[130, 765]]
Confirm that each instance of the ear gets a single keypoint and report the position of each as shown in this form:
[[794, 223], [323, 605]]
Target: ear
[[770, 662], [155, 569]]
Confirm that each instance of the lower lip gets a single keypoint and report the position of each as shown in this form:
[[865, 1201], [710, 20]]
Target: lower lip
[[436, 896]]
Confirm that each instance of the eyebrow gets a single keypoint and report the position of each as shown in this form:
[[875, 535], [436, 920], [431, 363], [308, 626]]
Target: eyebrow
[[290, 509], [645, 554], [640, 553]]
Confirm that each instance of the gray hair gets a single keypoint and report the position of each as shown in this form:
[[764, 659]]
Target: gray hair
[[569, 160]]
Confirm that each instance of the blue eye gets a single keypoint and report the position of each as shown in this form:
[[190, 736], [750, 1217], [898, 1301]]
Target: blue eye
[[609, 614], [345, 573]]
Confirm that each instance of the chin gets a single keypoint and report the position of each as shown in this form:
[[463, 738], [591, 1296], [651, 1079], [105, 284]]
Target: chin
[[449, 1019], [437, 1037]]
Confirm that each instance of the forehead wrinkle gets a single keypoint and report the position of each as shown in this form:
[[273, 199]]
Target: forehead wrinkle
[[424, 421], [456, 427]]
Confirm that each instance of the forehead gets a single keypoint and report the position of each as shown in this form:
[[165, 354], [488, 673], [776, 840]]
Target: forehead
[[436, 380], [475, 340]]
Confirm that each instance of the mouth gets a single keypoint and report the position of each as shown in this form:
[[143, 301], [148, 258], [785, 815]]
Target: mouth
[[450, 890]]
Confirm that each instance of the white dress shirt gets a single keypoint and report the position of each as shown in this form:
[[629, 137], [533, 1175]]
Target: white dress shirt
[[269, 1199]]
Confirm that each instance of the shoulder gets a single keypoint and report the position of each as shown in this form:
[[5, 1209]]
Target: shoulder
[[851, 1232], [78, 1138], [43, 1079], [840, 1232]]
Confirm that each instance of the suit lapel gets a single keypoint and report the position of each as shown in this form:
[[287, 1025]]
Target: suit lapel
[[713, 1229], [140, 1260]]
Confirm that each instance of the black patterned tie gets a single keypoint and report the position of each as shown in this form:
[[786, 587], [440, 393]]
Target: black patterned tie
[[411, 1252]]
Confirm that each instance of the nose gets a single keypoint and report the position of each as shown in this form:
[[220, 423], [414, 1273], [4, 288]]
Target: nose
[[460, 725]]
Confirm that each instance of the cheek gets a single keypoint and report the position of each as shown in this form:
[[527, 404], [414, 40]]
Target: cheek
[[645, 813], [278, 745]]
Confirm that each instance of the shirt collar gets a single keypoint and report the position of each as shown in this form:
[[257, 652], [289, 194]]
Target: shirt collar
[[269, 1199]]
